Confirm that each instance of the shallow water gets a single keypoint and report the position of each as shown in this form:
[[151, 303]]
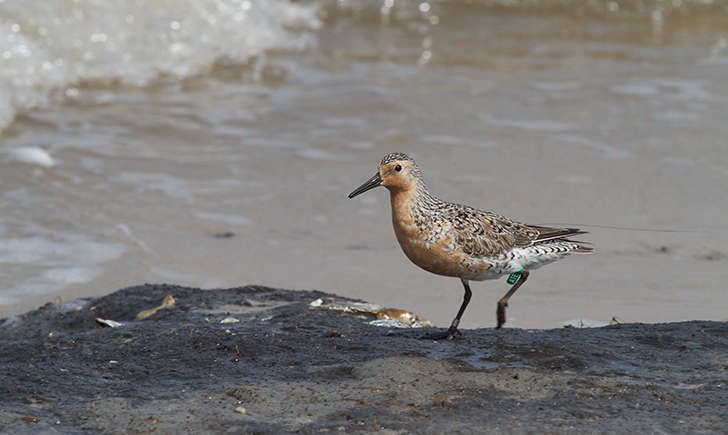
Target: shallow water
[[225, 166]]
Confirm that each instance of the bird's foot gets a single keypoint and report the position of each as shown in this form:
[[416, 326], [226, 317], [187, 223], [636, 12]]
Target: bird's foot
[[448, 334]]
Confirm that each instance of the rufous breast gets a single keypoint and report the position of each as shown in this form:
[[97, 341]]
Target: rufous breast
[[428, 248]]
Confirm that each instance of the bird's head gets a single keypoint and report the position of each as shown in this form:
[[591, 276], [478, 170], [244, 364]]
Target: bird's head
[[396, 172]]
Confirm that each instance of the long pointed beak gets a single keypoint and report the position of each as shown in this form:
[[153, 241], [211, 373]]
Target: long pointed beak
[[371, 183]]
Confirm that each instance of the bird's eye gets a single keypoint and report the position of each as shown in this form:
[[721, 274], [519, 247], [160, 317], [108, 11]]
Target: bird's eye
[[398, 168]]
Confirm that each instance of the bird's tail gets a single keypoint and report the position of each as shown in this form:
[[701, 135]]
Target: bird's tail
[[580, 247]]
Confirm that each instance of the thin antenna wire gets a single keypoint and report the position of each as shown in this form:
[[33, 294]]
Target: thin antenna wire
[[654, 230]]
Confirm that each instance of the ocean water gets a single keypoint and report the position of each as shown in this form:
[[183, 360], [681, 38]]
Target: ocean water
[[49, 47], [213, 143]]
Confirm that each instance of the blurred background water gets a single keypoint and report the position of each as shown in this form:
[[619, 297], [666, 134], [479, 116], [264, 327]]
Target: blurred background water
[[213, 142]]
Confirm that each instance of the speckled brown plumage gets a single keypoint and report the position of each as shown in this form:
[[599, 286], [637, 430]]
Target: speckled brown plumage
[[461, 241], [477, 233]]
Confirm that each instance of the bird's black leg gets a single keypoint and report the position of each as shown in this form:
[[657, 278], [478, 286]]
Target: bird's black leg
[[503, 302], [453, 329]]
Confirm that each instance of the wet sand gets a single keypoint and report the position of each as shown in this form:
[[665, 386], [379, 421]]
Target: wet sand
[[612, 123], [256, 359]]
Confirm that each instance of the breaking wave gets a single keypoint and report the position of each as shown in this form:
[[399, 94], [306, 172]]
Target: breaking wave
[[48, 47]]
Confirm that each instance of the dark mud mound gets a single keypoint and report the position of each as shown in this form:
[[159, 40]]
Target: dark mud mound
[[256, 359]]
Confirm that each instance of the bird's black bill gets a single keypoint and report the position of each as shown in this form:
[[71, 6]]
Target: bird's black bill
[[371, 183]]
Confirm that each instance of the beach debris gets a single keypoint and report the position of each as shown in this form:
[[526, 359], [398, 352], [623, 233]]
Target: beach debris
[[241, 410], [229, 320], [585, 323], [394, 323], [73, 305], [166, 303], [384, 317], [394, 317], [109, 323]]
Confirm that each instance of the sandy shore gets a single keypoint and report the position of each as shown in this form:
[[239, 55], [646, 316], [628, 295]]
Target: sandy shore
[[256, 359]]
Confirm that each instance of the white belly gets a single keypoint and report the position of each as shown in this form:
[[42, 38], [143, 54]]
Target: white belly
[[518, 259]]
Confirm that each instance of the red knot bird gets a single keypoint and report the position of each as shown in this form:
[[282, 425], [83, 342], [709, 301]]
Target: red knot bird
[[460, 241]]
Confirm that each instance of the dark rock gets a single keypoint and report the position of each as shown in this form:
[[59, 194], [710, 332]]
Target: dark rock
[[293, 367]]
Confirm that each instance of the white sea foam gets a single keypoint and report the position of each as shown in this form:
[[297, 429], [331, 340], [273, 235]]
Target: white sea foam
[[31, 156], [48, 47]]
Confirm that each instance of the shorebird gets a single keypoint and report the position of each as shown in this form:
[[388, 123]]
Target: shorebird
[[464, 242]]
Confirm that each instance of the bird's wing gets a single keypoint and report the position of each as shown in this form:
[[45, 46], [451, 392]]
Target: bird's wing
[[486, 234], [549, 233]]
